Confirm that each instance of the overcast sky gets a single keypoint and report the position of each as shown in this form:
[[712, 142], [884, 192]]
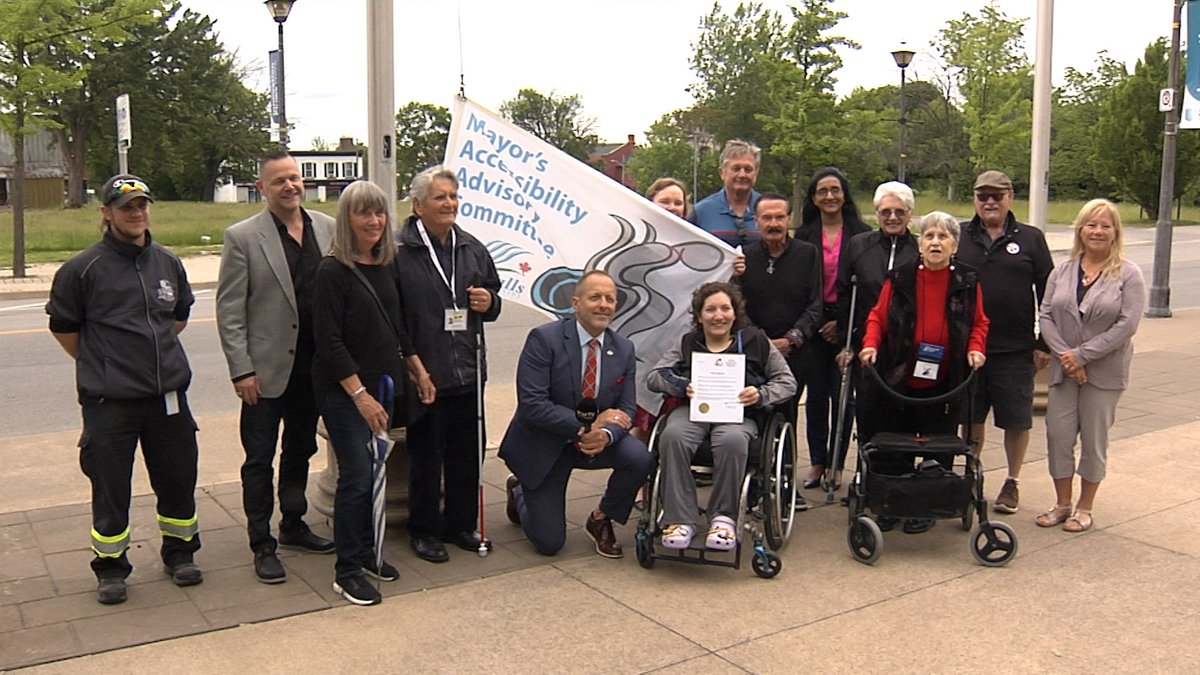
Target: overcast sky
[[627, 59]]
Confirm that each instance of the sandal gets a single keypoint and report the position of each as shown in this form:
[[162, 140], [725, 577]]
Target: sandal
[[1054, 516], [677, 537], [1080, 521], [721, 534]]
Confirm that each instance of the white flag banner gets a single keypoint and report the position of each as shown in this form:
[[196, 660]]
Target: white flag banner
[[546, 218]]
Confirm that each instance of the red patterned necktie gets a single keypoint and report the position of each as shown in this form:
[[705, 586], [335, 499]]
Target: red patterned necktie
[[589, 370]]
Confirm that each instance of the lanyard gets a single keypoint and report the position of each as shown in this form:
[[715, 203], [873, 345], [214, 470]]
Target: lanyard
[[437, 264]]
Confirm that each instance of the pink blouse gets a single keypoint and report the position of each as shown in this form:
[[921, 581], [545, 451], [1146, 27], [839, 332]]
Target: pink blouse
[[832, 250]]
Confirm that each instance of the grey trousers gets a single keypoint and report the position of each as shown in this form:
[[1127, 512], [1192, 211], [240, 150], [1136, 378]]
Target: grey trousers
[[730, 446], [1086, 412]]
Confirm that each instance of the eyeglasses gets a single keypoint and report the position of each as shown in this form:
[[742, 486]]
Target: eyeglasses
[[829, 192], [985, 197], [888, 213], [125, 186]]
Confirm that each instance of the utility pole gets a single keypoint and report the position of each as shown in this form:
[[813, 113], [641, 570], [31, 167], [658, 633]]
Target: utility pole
[[1159, 305], [1039, 156]]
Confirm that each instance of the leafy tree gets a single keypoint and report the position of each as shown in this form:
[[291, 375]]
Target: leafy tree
[[1076, 107], [1127, 135], [422, 131], [558, 120], [804, 119], [677, 147], [194, 119], [987, 66], [38, 39]]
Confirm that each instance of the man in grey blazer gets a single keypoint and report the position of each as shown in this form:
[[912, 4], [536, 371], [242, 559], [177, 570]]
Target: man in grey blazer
[[264, 317]]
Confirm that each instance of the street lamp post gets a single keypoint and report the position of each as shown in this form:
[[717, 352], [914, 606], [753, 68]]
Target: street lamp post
[[279, 10], [903, 56]]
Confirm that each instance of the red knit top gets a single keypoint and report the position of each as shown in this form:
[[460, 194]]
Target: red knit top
[[931, 325]]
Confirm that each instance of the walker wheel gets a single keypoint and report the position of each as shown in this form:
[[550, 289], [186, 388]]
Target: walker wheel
[[968, 516], [865, 540], [993, 544], [766, 564]]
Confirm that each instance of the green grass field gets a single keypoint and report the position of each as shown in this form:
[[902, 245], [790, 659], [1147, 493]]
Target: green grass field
[[54, 235]]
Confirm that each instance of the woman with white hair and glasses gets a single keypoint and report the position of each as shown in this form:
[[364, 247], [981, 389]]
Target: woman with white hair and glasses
[[866, 261]]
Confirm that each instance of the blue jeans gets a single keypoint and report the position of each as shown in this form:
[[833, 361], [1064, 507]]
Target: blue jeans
[[353, 534], [297, 409]]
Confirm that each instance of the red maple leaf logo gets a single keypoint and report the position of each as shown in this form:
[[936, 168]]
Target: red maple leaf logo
[[525, 268]]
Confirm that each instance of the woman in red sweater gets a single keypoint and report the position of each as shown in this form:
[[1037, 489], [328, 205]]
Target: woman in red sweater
[[926, 329]]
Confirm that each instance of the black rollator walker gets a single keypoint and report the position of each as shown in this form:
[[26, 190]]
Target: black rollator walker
[[929, 490]]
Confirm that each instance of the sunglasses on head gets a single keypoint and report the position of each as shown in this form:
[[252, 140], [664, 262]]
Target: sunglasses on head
[[985, 197], [126, 185]]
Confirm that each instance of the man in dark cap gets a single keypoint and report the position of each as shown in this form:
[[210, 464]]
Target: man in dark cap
[[117, 308], [1013, 261]]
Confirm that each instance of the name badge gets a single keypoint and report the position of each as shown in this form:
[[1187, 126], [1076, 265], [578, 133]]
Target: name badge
[[171, 399], [929, 359], [456, 320]]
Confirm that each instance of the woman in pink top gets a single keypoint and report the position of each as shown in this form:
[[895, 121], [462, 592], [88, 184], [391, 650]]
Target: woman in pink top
[[829, 219]]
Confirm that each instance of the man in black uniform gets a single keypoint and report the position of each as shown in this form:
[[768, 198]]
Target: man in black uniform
[[117, 308]]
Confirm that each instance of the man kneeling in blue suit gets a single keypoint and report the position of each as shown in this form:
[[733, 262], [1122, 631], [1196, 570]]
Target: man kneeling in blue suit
[[570, 370]]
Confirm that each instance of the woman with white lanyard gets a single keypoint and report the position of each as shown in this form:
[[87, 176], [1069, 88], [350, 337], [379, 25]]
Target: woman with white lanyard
[[448, 288]]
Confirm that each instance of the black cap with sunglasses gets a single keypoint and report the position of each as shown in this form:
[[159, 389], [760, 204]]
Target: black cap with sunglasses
[[123, 187]]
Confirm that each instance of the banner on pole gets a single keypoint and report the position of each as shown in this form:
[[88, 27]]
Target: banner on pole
[[1189, 116], [276, 92], [547, 218]]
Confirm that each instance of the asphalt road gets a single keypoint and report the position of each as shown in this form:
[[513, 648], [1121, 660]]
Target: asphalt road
[[37, 379], [37, 389]]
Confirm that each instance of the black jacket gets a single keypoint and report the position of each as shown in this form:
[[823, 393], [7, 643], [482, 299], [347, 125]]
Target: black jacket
[[1009, 267], [897, 350], [448, 356], [351, 333], [867, 257], [123, 300], [785, 302]]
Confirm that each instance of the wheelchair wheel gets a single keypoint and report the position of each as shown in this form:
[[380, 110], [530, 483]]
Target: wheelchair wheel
[[779, 469], [645, 556], [766, 564], [993, 544], [865, 540]]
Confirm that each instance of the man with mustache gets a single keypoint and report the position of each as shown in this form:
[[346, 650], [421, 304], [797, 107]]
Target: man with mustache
[[564, 363], [1013, 261], [782, 285]]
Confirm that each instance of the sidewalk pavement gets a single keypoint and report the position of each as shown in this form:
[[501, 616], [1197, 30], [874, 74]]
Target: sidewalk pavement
[[1121, 597]]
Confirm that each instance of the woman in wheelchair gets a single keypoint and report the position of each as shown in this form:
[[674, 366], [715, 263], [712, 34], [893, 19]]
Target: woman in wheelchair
[[718, 327], [927, 326]]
